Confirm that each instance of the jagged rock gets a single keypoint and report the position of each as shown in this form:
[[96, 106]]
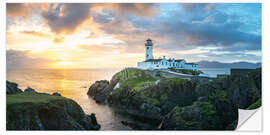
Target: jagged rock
[[199, 116], [149, 108], [12, 88], [100, 91], [30, 90], [56, 94]]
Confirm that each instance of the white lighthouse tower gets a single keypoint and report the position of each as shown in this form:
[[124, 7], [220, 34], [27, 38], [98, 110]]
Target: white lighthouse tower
[[149, 49]]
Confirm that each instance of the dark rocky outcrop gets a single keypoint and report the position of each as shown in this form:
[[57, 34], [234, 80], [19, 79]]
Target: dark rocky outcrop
[[40, 111], [198, 116], [12, 88], [30, 90], [99, 91], [56, 94]]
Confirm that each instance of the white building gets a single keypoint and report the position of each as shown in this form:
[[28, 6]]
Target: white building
[[163, 63]]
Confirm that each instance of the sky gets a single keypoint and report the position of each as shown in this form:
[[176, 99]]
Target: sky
[[112, 35]]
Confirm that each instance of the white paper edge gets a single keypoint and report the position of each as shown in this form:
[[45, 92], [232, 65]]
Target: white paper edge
[[249, 120]]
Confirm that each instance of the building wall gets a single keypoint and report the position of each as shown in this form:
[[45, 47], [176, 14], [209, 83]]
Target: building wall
[[165, 64], [191, 67]]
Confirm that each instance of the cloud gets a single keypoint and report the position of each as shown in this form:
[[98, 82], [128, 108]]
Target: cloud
[[138, 9], [35, 33], [21, 59], [102, 17], [58, 39], [214, 30], [17, 9], [66, 18], [24, 10], [232, 56], [95, 48], [92, 35], [198, 7], [181, 35], [126, 9]]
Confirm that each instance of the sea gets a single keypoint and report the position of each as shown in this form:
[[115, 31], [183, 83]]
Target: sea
[[74, 84]]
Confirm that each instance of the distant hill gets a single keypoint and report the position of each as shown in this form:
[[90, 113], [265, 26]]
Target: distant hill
[[216, 64]]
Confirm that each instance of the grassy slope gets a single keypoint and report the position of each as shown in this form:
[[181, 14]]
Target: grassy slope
[[138, 80], [134, 78], [24, 101]]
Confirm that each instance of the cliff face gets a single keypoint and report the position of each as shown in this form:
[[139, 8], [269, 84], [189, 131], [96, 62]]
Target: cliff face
[[175, 103], [40, 111], [12, 88]]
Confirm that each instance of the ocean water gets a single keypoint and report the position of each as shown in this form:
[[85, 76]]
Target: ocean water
[[74, 84]]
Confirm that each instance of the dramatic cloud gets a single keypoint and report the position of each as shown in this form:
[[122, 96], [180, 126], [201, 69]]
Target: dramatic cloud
[[65, 18]]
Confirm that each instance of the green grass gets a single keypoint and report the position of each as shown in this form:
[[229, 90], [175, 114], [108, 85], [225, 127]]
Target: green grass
[[255, 105], [138, 83], [186, 71], [129, 73], [134, 78], [24, 101]]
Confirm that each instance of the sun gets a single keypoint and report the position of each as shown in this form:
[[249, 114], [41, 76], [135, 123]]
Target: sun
[[64, 64]]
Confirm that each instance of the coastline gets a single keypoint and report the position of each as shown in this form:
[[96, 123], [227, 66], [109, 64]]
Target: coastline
[[31, 110]]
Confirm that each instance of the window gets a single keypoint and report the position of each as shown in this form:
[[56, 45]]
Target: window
[[147, 55], [147, 48]]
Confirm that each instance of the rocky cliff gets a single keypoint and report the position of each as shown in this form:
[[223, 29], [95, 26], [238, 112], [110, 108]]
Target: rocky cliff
[[181, 104], [30, 110], [12, 88]]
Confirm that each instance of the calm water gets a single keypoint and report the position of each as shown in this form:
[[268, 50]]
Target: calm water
[[74, 84]]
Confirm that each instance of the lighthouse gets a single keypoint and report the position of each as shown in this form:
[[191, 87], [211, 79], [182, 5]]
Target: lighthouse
[[149, 49], [162, 63]]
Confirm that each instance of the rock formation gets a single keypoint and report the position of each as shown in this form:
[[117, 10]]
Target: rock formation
[[40, 111], [180, 104], [12, 88]]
